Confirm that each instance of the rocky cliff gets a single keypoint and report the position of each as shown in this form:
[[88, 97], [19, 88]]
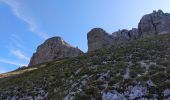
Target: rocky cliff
[[98, 38], [53, 49], [155, 23]]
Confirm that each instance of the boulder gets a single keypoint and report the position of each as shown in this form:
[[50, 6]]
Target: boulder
[[99, 38], [157, 22], [53, 49]]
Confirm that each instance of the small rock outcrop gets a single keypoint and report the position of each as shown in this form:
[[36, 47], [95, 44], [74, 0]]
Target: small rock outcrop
[[157, 22], [99, 38], [53, 49]]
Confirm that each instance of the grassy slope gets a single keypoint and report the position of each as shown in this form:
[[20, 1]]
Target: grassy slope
[[59, 78]]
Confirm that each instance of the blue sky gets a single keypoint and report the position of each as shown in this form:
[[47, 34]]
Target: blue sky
[[24, 24]]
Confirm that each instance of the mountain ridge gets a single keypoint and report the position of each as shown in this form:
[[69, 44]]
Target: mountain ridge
[[154, 23]]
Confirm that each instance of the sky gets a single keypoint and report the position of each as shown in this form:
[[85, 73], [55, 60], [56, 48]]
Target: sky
[[25, 24]]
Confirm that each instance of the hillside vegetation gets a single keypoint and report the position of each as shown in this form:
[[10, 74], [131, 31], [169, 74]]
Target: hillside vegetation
[[135, 70]]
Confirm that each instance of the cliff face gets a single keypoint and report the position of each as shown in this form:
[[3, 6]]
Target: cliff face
[[98, 38], [155, 23], [53, 49]]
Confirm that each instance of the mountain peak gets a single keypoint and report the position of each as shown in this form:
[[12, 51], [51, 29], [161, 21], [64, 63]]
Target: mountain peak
[[53, 49], [57, 40]]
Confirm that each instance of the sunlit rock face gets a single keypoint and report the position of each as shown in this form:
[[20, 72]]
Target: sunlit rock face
[[53, 49], [157, 22]]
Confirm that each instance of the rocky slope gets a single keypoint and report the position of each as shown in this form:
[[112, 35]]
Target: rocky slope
[[53, 49], [138, 70], [155, 23]]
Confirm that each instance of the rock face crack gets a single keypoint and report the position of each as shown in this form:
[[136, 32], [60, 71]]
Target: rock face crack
[[157, 22], [153, 24]]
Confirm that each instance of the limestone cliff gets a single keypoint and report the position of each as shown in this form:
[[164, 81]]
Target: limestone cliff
[[53, 49]]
